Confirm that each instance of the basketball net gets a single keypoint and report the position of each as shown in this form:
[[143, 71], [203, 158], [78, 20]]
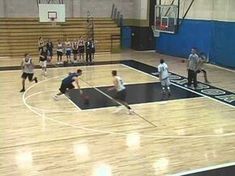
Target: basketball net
[[156, 33], [53, 22]]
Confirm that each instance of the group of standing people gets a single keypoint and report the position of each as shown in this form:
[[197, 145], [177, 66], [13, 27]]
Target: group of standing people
[[76, 48]]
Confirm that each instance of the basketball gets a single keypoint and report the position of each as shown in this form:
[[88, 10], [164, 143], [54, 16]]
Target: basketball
[[86, 100]]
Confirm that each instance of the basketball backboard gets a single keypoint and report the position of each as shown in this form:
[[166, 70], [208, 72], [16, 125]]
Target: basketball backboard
[[52, 12], [166, 16]]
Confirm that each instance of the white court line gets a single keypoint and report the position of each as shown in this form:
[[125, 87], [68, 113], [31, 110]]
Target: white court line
[[182, 87], [103, 108], [9, 71], [73, 103], [45, 110], [43, 117], [89, 66], [65, 68], [222, 68], [204, 169], [71, 100]]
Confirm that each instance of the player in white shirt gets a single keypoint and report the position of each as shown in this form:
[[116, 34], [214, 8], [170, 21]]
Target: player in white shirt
[[68, 49], [59, 52], [28, 71], [120, 89], [164, 77]]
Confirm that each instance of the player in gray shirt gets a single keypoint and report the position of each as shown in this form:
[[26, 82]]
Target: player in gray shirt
[[192, 67]]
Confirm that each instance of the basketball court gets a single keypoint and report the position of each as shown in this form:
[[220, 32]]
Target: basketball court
[[190, 132]]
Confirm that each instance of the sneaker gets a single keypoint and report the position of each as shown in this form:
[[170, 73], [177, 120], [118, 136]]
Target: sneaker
[[155, 73], [22, 90], [189, 86], [130, 112], [55, 98], [36, 80]]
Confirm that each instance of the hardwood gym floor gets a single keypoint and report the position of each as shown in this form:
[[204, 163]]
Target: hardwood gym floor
[[41, 136]]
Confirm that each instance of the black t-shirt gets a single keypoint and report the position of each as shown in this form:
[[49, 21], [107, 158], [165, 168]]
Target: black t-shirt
[[88, 46], [49, 46], [43, 53]]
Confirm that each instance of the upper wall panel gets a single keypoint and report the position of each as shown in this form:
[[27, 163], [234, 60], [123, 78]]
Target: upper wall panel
[[222, 10], [19, 8]]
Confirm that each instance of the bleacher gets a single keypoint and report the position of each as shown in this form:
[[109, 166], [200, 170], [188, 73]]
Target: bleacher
[[20, 35]]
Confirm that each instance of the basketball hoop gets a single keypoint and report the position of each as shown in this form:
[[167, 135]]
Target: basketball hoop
[[166, 17], [52, 16], [53, 22]]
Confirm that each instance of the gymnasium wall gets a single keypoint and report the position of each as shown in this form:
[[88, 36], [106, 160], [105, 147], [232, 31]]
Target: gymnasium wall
[[74, 8], [209, 26], [2, 11], [134, 11]]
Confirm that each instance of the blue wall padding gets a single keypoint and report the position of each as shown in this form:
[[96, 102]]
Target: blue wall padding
[[191, 34], [126, 37], [223, 44], [216, 39]]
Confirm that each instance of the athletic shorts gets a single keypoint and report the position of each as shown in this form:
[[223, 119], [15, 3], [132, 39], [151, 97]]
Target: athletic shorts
[[64, 87], [68, 52], [42, 59], [92, 50], [43, 63], [199, 71], [121, 95], [27, 75], [50, 53], [59, 53], [165, 82], [81, 49], [75, 51]]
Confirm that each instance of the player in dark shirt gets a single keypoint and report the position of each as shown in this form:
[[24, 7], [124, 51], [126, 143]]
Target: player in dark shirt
[[68, 83]]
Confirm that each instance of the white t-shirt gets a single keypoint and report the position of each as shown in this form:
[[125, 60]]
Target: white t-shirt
[[163, 71], [27, 66], [60, 47], [120, 84], [67, 45]]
